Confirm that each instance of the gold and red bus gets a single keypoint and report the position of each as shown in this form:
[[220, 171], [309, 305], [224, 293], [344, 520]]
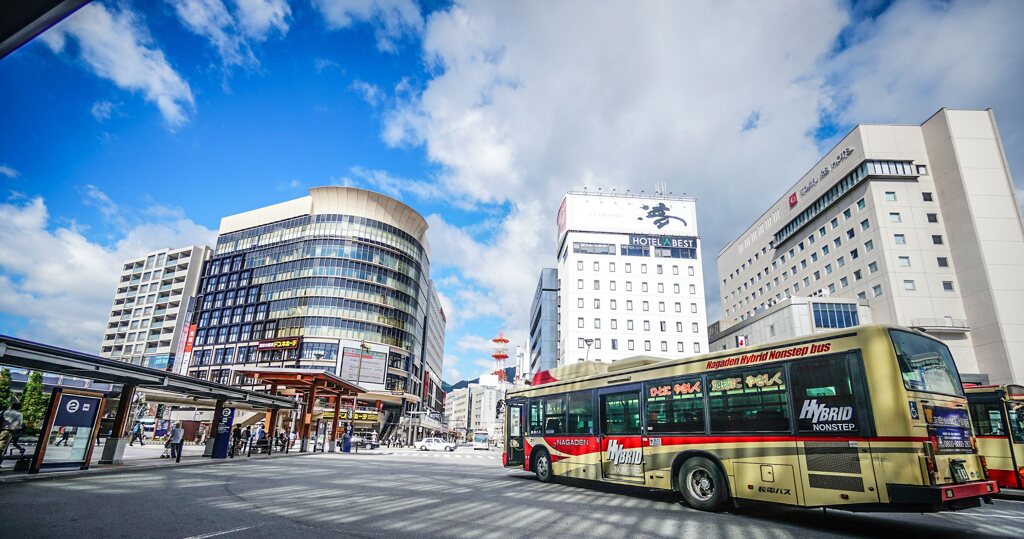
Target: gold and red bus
[[997, 413], [870, 418]]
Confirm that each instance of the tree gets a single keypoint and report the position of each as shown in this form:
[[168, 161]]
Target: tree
[[5, 389], [34, 402]]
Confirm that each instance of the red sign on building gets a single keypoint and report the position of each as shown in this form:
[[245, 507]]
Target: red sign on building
[[792, 200], [190, 340]]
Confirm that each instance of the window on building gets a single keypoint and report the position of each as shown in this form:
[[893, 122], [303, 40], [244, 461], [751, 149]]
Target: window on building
[[847, 213], [597, 303], [876, 290], [909, 285], [646, 306], [837, 242], [933, 217], [629, 325], [597, 266], [927, 197], [872, 267], [612, 304], [844, 282], [831, 288], [856, 275], [814, 257], [597, 323], [689, 270], [947, 286], [828, 269], [643, 268], [647, 346], [860, 204], [611, 267], [629, 267], [643, 287], [579, 303], [894, 217], [890, 196], [579, 284], [835, 315], [629, 344], [597, 284], [854, 254], [647, 325], [629, 305], [817, 275], [942, 261], [629, 286], [862, 295], [900, 239], [679, 307], [579, 322], [869, 246], [904, 261], [923, 171], [937, 239], [835, 223], [611, 285]]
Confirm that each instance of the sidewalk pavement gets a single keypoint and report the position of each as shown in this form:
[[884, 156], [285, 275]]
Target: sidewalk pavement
[[133, 462], [1011, 494]]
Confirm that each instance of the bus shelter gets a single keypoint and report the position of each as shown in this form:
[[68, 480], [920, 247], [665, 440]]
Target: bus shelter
[[24, 354], [308, 385]]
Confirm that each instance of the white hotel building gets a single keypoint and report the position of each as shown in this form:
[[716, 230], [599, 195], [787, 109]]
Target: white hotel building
[[630, 279], [920, 222]]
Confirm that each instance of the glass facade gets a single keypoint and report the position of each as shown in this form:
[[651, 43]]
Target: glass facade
[[835, 315], [313, 278]]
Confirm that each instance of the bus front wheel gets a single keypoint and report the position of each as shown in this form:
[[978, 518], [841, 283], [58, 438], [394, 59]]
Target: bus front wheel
[[542, 467], [703, 484]]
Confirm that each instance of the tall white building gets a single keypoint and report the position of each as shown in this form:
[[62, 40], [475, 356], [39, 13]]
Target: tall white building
[[630, 279], [149, 317], [919, 221]]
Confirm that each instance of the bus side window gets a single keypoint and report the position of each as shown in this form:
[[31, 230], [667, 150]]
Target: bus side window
[[1016, 410], [581, 413], [824, 396], [620, 413], [988, 418], [554, 415], [536, 417]]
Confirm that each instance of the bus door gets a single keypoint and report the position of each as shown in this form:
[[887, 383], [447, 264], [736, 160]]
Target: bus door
[[997, 425], [514, 444], [622, 443]]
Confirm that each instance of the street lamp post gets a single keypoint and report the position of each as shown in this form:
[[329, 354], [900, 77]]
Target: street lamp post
[[588, 343]]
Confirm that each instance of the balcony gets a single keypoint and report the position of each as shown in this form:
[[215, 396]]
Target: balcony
[[940, 325]]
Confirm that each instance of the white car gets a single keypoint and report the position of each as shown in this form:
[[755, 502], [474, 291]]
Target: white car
[[434, 444]]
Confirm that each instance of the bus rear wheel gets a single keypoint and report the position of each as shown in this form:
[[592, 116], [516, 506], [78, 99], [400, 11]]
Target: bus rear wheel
[[703, 484], [542, 467]]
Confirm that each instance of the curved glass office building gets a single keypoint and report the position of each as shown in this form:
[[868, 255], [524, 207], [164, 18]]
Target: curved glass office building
[[335, 281]]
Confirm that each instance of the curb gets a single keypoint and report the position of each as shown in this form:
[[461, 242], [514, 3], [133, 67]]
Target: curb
[[1010, 494], [113, 469]]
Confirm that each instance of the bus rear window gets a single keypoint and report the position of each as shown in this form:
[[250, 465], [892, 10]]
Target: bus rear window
[[926, 365]]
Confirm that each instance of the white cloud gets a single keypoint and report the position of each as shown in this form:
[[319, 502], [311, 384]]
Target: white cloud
[[117, 47], [9, 172], [232, 33], [211, 20], [392, 19], [529, 101], [101, 110], [258, 17], [384, 182], [369, 92], [323, 64], [966, 55], [62, 283]]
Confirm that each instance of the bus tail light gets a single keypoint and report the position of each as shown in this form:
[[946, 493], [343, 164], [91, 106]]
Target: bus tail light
[[974, 444], [929, 461], [984, 466]]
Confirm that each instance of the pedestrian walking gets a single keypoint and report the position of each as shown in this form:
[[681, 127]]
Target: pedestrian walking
[[291, 439], [11, 424], [236, 438], [137, 431], [176, 439], [246, 438]]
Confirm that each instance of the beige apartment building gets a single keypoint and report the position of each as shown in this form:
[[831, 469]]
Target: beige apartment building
[[921, 222]]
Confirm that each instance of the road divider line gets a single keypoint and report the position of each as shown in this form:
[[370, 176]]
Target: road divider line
[[225, 532]]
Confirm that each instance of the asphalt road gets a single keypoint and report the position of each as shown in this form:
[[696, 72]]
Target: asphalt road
[[389, 493]]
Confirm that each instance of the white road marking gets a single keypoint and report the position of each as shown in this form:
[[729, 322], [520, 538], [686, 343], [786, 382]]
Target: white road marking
[[215, 534]]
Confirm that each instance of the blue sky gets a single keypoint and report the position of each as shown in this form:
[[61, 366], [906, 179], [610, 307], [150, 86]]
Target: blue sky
[[134, 125]]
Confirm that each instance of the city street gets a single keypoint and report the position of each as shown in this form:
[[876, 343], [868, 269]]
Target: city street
[[406, 493]]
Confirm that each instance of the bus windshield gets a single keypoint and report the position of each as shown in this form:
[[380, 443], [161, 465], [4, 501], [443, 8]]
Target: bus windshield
[[926, 365], [480, 437]]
